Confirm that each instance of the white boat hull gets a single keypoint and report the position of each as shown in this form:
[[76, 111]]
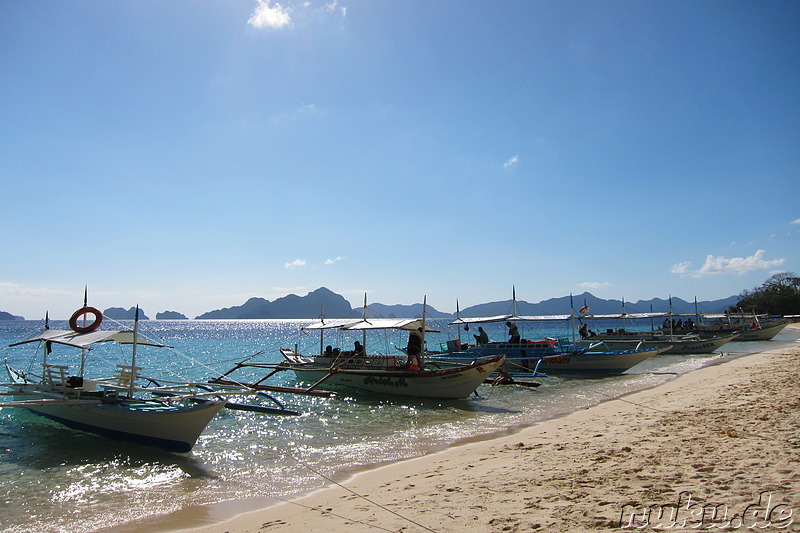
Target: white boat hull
[[554, 361], [762, 334], [765, 333], [676, 346], [611, 362], [445, 384], [172, 428]]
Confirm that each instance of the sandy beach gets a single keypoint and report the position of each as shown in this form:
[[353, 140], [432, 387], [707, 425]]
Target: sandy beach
[[715, 449]]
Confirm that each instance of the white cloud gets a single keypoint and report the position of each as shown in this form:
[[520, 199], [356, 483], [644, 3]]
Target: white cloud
[[13, 289], [595, 284], [295, 263], [511, 162], [300, 112], [681, 268], [334, 6], [332, 261], [737, 265], [269, 16], [797, 221], [724, 265]]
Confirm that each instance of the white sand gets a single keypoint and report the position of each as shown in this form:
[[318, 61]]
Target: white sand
[[727, 436]]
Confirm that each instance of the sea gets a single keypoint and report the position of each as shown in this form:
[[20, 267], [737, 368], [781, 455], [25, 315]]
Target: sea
[[54, 479]]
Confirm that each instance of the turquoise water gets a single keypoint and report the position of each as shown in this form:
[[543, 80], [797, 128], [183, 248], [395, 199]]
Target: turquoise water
[[58, 480]]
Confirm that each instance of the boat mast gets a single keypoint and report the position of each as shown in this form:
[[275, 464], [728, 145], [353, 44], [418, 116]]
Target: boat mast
[[85, 304], [514, 297], [322, 329], [458, 316], [671, 328], [364, 332], [424, 316], [572, 317], [46, 343], [133, 351], [624, 313]]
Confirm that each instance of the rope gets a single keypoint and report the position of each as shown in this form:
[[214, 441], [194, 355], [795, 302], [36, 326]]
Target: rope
[[323, 476], [326, 512], [195, 362]]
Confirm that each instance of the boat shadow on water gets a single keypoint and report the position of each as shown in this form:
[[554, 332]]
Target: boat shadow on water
[[34, 442]]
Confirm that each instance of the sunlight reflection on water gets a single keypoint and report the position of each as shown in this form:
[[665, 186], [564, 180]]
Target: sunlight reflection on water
[[67, 481]]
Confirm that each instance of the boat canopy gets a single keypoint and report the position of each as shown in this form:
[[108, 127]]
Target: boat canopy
[[628, 316], [735, 316], [532, 318], [481, 319], [350, 324], [85, 340], [332, 323], [544, 318], [508, 318], [407, 324]]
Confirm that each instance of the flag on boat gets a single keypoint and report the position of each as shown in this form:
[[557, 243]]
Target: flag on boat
[[583, 310]]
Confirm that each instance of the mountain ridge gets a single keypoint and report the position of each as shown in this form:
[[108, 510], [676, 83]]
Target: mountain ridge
[[333, 305], [336, 306]]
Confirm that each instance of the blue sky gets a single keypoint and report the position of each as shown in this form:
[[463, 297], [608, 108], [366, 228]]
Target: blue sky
[[189, 155]]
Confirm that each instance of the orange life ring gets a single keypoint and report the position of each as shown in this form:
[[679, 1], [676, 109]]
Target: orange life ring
[[73, 320]]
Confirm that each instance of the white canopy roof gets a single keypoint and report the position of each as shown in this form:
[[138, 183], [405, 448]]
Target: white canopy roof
[[533, 318], [390, 323], [481, 319], [371, 323], [507, 318], [85, 340], [541, 317], [331, 323], [631, 316], [734, 316]]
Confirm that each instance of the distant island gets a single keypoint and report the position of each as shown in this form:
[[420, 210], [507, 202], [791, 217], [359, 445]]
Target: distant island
[[170, 315], [291, 306], [333, 305], [118, 313]]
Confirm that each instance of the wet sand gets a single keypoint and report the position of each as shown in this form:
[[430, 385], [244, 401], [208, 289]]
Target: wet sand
[[715, 449]]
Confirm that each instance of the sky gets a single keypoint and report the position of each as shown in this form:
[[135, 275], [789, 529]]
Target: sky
[[189, 155]]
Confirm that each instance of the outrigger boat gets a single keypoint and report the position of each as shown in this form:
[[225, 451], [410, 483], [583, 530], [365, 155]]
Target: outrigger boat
[[690, 343], [169, 417], [748, 327], [378, 374], [554, 356], [526, 357], [678, 340]]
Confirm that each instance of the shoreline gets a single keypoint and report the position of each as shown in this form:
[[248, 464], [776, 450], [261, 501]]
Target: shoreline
[[575, 472]]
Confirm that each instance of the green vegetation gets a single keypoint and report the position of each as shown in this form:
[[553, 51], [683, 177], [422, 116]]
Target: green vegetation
[[779, 295]]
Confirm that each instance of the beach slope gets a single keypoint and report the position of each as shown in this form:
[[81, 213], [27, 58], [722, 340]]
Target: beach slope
[[713, 449]]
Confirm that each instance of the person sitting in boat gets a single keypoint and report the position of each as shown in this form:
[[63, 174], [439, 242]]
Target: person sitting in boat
[[359, 350], [481, 338], [513, 333], [592, 334], [503, 375], [414, 350], [584, 331], [328, 351]]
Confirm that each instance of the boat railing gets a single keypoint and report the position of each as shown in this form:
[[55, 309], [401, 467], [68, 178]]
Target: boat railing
[[55, 375], [125, 374]]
